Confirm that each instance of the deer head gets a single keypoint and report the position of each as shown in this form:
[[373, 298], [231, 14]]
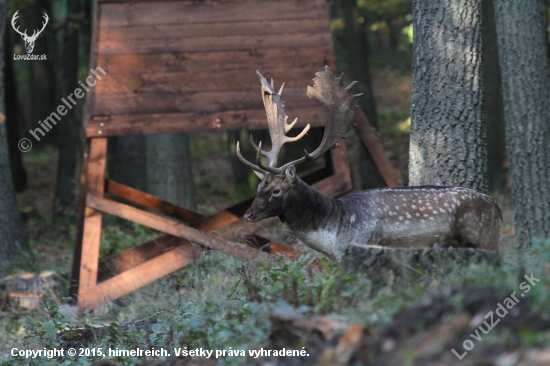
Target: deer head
[[275, 191], [29, 40]]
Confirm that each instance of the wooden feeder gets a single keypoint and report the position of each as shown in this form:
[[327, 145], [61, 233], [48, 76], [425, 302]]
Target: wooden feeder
[[185, 66]]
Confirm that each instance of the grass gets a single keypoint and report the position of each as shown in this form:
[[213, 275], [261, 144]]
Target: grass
[[221, 302]]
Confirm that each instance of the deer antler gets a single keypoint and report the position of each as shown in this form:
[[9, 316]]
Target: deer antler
[[16, 28], [339, 114], [277, 122]]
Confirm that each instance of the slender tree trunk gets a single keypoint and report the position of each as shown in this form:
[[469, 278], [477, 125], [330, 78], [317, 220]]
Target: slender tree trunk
[[69, 140], [526, 89], [169, 173], [494, 108], [241, 173], [353, 58], [13, 234], [13, 119], [43, 76], [447, 127]]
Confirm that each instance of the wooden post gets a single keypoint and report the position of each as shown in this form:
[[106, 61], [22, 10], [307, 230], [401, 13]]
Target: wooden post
[[91, 232], [370, 140]]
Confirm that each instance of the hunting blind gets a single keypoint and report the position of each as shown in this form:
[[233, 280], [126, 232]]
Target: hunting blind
[[186, 66]]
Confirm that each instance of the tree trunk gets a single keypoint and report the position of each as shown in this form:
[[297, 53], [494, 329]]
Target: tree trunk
[[69, 139], [169, 173], [526, 92], [447, 127], [242, 173], [352, 57], [13, 234], [43, 76], [13, 121], [159, 164], [127, 162], [494, 108]]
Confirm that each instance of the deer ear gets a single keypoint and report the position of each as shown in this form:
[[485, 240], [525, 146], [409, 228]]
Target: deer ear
[[290, 174], [260, 175]]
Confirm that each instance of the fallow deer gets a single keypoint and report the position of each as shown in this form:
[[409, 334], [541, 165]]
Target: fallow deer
[[408, 216]]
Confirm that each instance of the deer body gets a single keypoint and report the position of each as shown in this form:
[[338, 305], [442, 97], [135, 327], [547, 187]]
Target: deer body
[[401, 217], [409, 216]]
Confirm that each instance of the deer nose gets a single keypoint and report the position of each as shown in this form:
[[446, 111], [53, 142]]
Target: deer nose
[[248, 215]]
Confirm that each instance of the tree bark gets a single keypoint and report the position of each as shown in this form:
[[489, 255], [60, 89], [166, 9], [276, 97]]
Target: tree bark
[[352, 57], [493, 107], [13, 121], [69, 143], [241, 173], [526, 92], [13, 234], [43, 75], [169, 173], [448, 136], [127, 161]]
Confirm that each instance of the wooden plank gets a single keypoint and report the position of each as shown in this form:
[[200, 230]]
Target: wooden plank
[[218, 29], [90, 97], [170, 227], [178, 82], [77, 255], [253, 119], [149, 201], [137, 277], [340, 165], [183, 44], [132, 257], [92, 218], [308, 57], [200, 102], [180, 12], [371, 141]]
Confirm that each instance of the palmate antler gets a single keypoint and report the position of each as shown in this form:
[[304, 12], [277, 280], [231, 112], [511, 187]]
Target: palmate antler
[[339, 113]]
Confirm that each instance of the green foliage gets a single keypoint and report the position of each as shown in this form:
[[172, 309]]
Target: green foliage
[[115, 238], [299, 285], [221, 302]]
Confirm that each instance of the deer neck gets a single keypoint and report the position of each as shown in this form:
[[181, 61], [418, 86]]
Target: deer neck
[[310, 210]]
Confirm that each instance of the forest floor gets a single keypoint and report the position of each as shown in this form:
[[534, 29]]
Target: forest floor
[[221, 302]]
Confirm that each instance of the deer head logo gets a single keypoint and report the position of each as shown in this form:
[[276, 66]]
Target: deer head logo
[[29, 40]]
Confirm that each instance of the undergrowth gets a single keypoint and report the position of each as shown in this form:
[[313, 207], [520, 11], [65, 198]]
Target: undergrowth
[[222, 302]]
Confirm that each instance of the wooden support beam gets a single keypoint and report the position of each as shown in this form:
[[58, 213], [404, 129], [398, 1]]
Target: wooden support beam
[[132, 257], [137, 277], [77, 257], [370, 140], [170, 227], [92, 218], [149, 201]]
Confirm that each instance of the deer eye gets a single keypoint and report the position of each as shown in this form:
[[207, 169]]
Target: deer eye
[[276, 192]]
